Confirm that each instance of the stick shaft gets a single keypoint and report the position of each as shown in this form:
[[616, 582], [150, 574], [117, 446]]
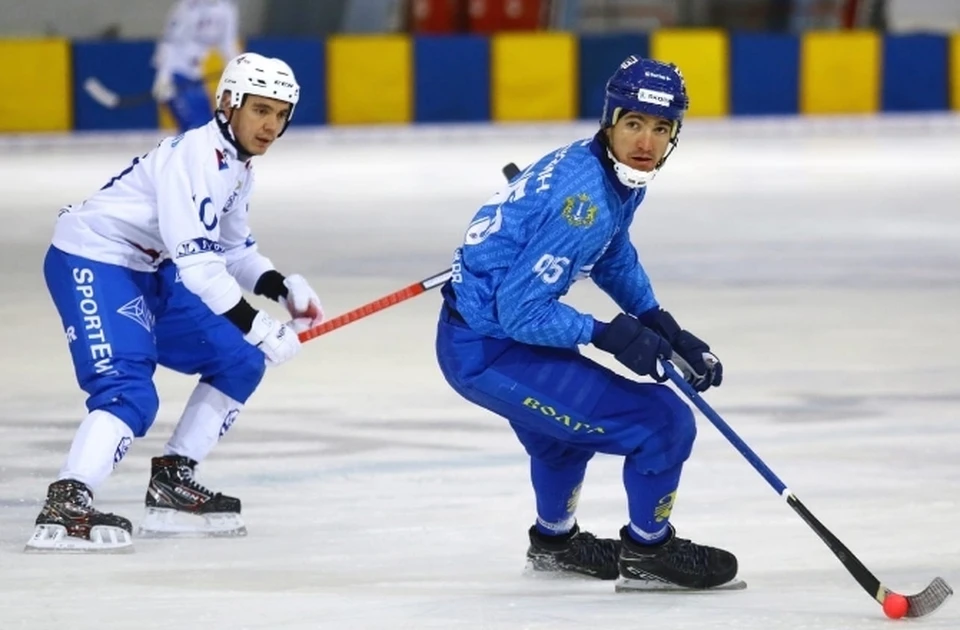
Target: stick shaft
[[857, 569], [509, 172], [379, 304]]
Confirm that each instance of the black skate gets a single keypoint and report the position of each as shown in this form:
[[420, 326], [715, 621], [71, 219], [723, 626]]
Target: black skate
[[176, 505], [577, 554], [675, 565], [68, 522]]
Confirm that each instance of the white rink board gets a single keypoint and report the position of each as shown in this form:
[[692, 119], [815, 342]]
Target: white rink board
[[820, 259]]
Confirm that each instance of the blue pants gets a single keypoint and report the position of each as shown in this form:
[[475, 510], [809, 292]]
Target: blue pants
[[120, 324], [190, 107], [564, 408]]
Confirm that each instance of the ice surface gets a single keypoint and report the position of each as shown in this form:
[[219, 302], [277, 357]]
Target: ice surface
[[821, 259]]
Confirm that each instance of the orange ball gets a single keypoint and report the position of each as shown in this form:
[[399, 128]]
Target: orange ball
[[895, 606]]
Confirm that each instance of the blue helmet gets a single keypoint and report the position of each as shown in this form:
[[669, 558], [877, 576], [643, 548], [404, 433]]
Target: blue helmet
[[648, 87]]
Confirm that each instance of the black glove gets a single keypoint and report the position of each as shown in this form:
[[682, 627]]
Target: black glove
[[703, 369], [633, 344]]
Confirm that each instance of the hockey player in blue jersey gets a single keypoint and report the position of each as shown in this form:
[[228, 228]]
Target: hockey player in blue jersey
[[507, 343]]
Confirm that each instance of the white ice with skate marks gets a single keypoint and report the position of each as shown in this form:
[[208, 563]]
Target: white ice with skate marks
[[375, 498]]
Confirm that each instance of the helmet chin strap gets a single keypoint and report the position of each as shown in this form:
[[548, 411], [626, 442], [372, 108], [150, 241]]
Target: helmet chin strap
[[223, 121], [634, 178], [631, 177]]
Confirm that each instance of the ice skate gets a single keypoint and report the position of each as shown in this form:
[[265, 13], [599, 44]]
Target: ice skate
[[675, 564], [178, 506], [68, 523], [580, 554]]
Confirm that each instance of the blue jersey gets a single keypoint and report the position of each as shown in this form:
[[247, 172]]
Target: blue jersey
[[566, 217]]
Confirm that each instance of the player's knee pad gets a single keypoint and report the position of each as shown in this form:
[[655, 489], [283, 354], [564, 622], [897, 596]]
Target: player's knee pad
[[241, 375], [134, 401], [551, 451], [672, 444]]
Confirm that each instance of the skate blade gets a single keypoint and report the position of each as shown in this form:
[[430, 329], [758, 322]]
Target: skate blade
[[103, 539], [165, 523], [625, 585], [539, 573]]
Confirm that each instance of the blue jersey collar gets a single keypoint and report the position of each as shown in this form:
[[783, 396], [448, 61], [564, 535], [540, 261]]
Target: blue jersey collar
[[598, 146]]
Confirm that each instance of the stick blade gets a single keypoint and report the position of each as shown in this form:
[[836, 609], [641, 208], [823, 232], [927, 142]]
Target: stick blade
[[929, 599], [100, 93]]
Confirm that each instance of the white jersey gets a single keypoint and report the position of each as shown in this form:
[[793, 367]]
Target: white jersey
[[185, 200], [194, 27]]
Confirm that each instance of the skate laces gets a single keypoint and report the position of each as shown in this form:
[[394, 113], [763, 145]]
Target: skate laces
[[594, 552], [687, 556], [185, 475]]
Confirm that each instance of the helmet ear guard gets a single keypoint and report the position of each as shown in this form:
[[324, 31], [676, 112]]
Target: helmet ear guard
[[645, 86], [253, 74]]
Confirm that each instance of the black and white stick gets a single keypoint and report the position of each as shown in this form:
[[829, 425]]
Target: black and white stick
[[110, 99], [918, 605]]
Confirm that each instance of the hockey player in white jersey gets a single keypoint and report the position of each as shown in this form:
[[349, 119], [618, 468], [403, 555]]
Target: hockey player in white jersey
[[151, 270], [193, 29]]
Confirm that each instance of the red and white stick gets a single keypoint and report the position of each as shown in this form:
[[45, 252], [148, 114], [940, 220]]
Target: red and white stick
[[377, 305], [509, 171]]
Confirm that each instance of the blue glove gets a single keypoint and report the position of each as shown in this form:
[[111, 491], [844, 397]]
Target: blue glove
[[633, 344], [703, 369]]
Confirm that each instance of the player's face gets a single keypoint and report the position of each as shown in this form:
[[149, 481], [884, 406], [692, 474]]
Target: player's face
[[258, 122], [639, 140]]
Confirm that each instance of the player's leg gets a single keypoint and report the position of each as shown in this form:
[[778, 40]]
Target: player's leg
[[106, 312], [557, 467], [557, 544], [193, 340], [190, 107], [563, 396]]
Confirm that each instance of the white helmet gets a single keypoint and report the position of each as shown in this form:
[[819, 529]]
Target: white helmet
[[255, 74]]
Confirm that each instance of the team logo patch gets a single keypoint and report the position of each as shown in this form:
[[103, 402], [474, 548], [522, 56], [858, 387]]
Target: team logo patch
[[136, 310], [228, 421], [122, 449], [664, 507], [198, 246], [221, 160], [579, 211]]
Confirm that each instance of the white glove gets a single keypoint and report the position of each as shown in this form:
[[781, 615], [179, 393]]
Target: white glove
[[163, 89], [279, 342], [301, 300]]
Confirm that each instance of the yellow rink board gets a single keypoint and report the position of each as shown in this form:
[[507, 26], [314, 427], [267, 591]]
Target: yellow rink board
[[703, 58], [840, 72], [369, 79], [533, 77], [40, 71]]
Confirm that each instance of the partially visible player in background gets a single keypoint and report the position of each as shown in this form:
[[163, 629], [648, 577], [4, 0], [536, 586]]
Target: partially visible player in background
[[151, 270], [507, 343], [193, 29]]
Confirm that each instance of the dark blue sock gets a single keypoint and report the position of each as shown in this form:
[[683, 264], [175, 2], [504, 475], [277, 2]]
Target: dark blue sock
[[650, 500], [557, 491]]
